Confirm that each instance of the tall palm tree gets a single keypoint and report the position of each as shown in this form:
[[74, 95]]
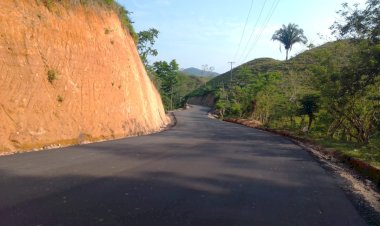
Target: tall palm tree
[[288, 36]]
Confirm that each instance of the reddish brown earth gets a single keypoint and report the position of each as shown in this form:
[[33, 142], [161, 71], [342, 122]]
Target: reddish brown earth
[[100, 89]]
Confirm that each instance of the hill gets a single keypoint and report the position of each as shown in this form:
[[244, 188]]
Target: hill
[[198, 72], [304, 63], [259, 65]]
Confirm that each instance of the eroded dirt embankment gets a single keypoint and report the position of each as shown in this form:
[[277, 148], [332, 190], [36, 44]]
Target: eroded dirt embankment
[[68, 75]]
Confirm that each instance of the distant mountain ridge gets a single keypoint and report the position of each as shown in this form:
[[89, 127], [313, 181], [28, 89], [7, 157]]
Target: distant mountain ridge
[[198, 72]]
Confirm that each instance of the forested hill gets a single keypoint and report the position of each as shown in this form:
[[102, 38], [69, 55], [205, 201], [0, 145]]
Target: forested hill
[[339, 51]]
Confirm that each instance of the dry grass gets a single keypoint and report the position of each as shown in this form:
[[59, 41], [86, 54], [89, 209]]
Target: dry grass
[[122, 13]]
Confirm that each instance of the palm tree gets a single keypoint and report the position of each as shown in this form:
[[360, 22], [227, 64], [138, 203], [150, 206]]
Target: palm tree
[[288, 36]]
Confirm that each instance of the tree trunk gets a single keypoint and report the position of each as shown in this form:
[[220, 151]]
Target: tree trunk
[[302, 122], [287, 54], [310, 122], [292, 122]]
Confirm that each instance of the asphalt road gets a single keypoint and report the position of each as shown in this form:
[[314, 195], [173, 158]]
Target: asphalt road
[[201, 172]]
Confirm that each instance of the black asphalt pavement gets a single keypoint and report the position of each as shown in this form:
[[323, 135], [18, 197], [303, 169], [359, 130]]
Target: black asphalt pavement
[[201, 172]]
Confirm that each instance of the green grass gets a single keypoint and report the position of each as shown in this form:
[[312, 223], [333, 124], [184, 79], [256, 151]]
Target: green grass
[[369, 153]]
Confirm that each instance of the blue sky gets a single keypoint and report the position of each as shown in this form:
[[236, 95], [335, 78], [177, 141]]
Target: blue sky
[[198, 32]]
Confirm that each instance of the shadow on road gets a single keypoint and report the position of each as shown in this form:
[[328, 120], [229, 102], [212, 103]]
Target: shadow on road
[[201, 172], [155, 198]]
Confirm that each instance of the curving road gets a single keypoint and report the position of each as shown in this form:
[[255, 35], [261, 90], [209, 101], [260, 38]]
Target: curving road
[[201, 172]]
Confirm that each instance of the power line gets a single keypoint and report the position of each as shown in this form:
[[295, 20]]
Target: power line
[[254, 29], [269, 16], [245, 26]]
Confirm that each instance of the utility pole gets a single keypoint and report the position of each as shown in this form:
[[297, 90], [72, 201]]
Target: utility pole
[[231, 70]]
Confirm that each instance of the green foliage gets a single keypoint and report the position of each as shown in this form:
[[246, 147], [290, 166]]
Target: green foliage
[[222, 104], [167, 72], [125, 19], [288, 36], [51, 75], [145, 44], [235, 109], [309, 105], [109, 2], [186, 84], [174, 86], [353, 85], [359, 23]]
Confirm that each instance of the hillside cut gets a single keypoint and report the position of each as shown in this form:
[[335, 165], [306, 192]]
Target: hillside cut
[[70, 75]]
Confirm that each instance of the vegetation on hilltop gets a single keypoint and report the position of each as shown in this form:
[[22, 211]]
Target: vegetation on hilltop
[[122, 13], [288, 36], [145, 45]]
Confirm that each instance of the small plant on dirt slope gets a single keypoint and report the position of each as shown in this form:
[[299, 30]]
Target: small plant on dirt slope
[[59, 99], [52, 75]]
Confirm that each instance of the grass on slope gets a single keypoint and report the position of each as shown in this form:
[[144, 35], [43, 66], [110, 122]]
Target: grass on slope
[[303, 62], [122, 13], [369, 153]]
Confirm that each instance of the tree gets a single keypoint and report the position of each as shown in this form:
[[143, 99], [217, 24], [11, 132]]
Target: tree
[[288, 36], [353, 88], [309, 106], [204, 69], [358, 23], [167, 73], [145, 44], [222, 103], [362, 26], [207, 70]]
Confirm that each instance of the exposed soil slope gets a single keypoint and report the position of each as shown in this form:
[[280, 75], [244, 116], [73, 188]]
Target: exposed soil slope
[[68, 75]]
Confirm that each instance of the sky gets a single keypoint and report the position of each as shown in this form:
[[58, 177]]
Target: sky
[[215, 32]]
